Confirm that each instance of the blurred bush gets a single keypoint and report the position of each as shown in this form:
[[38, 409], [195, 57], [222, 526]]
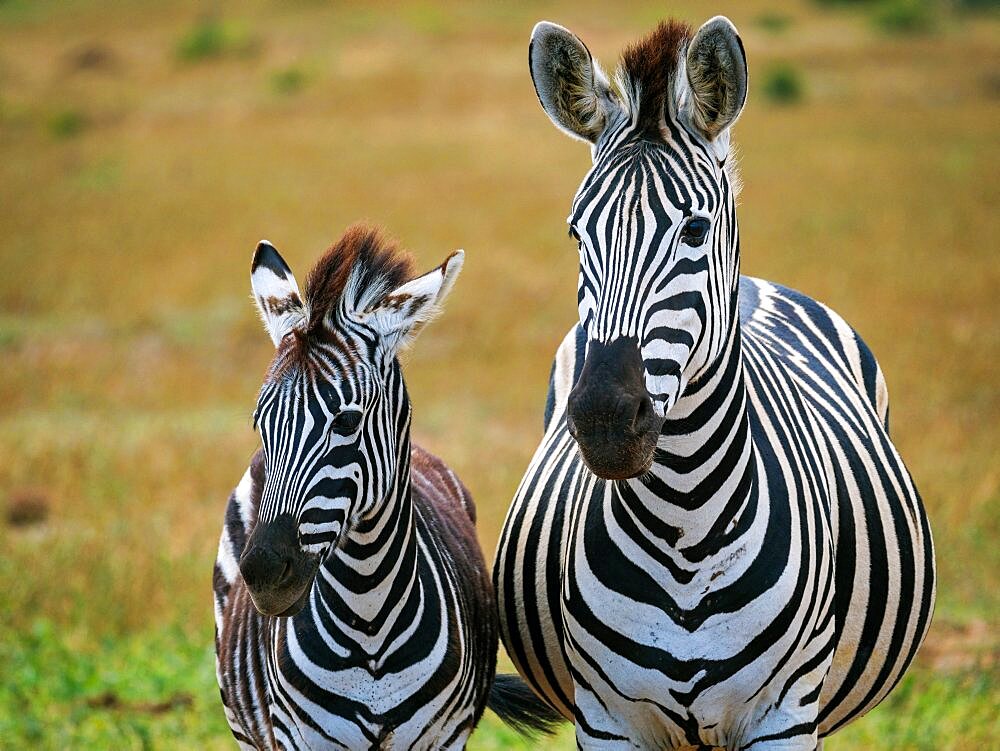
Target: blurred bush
[[782, 84], [978, 4], [773, 21], [213, 38], [906, 16], [67, 123], [288, 80]]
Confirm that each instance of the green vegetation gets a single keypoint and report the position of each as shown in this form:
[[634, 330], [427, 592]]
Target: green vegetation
[[773, 22], [928, 712], [906, 16], [978, 5], [131, 354], [157, 689], [288, 80], [782, 84], [67, 123], [212, 38], [154, 690]]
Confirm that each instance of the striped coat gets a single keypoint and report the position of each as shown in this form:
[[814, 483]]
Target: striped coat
[[396, 660], [353, 606], [716, 543], [689, 601]]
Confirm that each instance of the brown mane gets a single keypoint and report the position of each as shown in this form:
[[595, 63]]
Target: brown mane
[[377, 265], [364, 253], [649, 66]]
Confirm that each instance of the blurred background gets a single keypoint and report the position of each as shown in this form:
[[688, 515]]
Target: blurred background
[[146, 147]]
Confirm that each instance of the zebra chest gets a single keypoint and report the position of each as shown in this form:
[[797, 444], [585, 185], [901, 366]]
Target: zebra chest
[[684, 646], [373, 684]]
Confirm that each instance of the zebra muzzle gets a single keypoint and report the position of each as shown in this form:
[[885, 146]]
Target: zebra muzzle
[[278, 574], [610, 413]]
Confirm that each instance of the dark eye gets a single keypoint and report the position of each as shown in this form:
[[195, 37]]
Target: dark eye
[[346, 422], [695, 231], [574, 234]]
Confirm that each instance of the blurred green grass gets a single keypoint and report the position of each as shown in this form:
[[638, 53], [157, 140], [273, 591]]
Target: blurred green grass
[[131, 355]]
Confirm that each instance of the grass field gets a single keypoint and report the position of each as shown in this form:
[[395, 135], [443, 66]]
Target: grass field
[[145, 148]]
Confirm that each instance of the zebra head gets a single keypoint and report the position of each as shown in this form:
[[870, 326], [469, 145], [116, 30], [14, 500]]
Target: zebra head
[[655, 222], [333, 412]]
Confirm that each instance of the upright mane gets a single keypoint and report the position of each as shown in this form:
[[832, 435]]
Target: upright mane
[[363, 264], [648, 71]]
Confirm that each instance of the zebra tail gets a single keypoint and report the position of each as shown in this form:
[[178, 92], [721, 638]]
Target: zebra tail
[[520, 708]]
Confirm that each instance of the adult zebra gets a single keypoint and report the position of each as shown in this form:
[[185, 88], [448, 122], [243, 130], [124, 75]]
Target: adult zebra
[[353, 607], [716, 543]]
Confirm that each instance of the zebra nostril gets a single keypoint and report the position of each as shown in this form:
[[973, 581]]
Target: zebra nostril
[[571, 426], [643, 416]]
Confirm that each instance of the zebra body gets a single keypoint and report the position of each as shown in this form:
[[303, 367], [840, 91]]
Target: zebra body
[[353, 605], [386, 673], [716, 543]]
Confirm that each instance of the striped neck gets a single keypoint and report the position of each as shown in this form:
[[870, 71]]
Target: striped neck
[[373, 573], [702, 485]]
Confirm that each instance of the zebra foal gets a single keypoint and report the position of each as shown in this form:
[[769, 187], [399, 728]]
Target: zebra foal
[[353, 606], [716, 543]]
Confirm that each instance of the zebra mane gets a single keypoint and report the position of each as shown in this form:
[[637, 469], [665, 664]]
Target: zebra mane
[[646, 80], [648, 71], [359, 269]]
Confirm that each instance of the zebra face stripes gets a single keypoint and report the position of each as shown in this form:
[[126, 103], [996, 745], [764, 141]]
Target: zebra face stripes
[[331, 412], [657, 259], [654, 219]]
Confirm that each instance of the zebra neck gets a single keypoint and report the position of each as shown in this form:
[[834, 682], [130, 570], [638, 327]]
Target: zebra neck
[[373, 572], [703, 482]]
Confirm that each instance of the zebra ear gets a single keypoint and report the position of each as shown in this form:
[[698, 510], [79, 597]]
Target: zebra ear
[[717, 75], [275, 292], [399, 315], [571, 86]]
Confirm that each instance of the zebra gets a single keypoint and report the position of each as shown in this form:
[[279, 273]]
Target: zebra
[[716, 544], [353, 606]]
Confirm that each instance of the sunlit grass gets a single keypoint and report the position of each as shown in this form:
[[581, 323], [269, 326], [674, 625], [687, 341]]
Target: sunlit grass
[[130, 355]]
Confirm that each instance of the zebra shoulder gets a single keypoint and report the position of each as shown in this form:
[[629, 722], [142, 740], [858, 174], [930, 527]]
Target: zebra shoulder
[[434, 483], [817, 319]]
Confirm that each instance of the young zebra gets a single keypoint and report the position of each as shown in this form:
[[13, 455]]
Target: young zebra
[[353, 607], [716, 543]]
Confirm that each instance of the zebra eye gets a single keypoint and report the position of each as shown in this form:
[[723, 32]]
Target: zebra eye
[[346, 422], [695, 231]]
